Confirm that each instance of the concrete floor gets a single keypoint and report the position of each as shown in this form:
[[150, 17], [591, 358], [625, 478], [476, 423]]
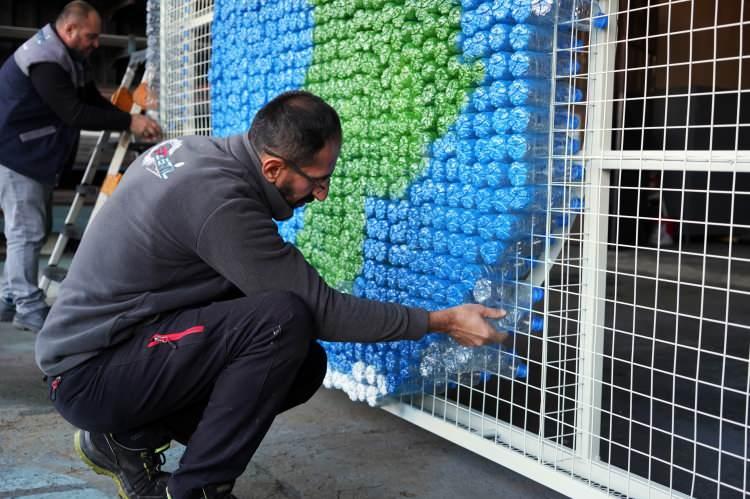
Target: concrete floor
[[328, 448]]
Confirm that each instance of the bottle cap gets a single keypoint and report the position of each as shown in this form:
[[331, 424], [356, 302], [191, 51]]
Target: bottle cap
[[537, 294], [521, 371], [600, 22], [536, 324]]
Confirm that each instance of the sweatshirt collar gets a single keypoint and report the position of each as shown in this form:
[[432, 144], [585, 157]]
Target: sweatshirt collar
[[239, 146]]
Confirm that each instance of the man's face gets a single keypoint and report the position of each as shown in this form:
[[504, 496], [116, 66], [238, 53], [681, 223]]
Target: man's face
[[302, 184], [82, 35]]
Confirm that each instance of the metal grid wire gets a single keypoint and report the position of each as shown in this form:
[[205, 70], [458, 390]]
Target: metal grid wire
[[185, 100], [638, 386]]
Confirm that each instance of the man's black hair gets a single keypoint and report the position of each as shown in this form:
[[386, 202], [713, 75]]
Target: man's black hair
[[295, 125]]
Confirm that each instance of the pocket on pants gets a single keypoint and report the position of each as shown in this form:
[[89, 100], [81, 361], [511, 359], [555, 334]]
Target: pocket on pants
[[72, 384]]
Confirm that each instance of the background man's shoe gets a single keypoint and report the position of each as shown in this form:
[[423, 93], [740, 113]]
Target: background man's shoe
[[137, 472], [31, 321], [7, 310]]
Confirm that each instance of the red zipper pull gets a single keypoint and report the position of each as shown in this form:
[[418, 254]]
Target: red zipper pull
[[53, 387], [158, 338]]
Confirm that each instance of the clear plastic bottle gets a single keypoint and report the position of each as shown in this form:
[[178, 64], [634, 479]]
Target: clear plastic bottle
[[566, 93], [446, 360], [493, 290], [517, 260], [535, 172], [519, 321]]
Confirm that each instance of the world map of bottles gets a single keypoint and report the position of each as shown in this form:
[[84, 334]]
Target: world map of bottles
[[442, 191]]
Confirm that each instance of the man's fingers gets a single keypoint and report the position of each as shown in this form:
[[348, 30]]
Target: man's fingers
[[493, 313], [498, 337], [490, 338]]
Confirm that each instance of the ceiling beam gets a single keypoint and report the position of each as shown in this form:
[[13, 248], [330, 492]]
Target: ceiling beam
[[112, 10], [105, 40]]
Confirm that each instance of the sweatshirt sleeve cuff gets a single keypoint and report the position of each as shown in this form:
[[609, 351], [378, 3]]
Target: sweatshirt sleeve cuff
[[418, 323]]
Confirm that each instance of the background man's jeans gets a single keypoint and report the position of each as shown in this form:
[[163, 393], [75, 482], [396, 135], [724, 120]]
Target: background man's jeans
[[23, 202]]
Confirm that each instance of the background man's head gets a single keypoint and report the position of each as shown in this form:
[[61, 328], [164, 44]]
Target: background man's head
[[298, 137], [79, 25]]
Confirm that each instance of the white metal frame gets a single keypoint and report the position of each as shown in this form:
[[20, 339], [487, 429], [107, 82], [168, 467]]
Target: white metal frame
[[185, 34], [576, 470]]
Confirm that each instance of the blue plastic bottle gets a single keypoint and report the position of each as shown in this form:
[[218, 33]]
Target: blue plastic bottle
[[527, 145], [536, 173], [499, 37], [498, 66], [501, 120], [529, 119], [531, 37], [527, 64], [531, 92], [533, 11]]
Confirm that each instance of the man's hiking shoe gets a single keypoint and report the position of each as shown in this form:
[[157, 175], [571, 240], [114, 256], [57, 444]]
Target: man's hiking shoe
[[137, 472], [220, 491]]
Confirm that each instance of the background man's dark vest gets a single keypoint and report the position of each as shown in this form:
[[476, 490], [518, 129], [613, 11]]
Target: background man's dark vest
[[34, 141]]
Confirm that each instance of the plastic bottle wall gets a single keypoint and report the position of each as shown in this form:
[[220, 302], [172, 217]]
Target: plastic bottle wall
[[444, 174]]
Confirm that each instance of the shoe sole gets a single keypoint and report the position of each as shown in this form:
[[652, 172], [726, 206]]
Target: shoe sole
[[24, 327], [97, 469]]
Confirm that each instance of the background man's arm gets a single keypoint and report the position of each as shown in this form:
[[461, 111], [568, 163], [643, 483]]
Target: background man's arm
[[53, 85], [92, 112]]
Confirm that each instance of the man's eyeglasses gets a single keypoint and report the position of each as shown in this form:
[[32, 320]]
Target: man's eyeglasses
[[319, 183]]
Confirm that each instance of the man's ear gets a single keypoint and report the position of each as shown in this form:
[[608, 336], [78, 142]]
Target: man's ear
[[271, 169], [68, 31]]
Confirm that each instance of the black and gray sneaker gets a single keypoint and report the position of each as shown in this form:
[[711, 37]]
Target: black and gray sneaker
[[31, 321], [220, 491], [137, 472]]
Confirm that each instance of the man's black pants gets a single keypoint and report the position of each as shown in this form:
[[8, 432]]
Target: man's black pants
[[212, 377]]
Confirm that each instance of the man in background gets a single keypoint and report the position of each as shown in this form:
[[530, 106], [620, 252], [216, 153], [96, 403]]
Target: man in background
[[46, 97]]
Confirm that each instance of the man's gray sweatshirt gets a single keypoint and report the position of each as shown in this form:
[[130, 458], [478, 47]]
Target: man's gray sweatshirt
[[192, 220]]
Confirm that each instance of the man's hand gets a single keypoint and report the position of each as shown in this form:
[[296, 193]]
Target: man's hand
[[145, 127], [467, 324]]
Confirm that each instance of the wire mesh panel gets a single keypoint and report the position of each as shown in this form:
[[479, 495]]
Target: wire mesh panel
[[185, 105], [675, 331], [637, 382]]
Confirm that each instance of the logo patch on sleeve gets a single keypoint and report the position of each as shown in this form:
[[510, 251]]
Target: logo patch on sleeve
[[158, 160]]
